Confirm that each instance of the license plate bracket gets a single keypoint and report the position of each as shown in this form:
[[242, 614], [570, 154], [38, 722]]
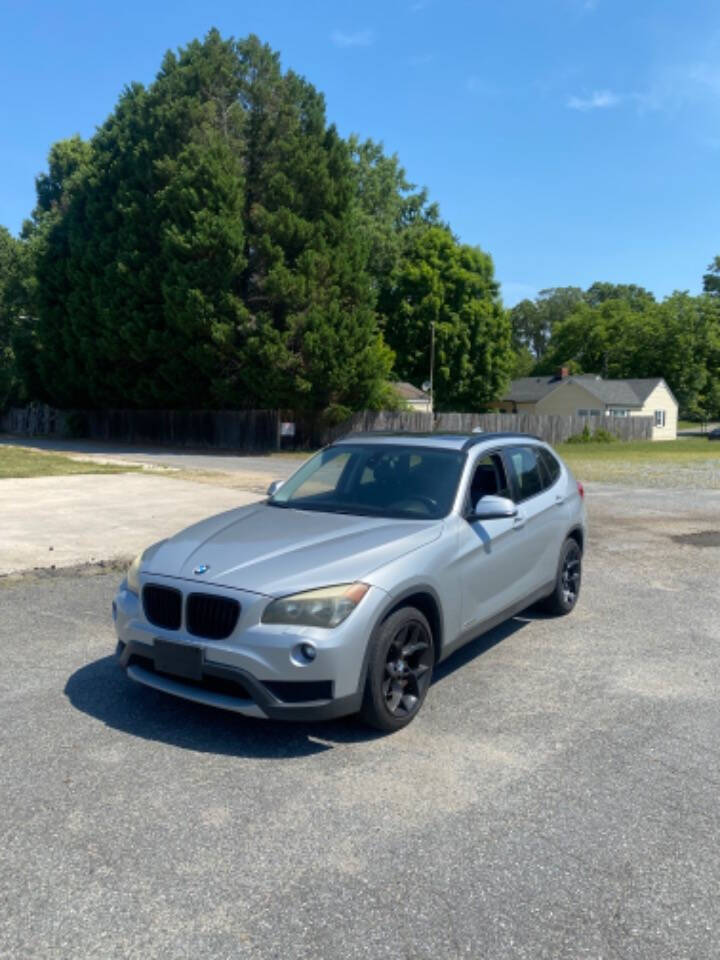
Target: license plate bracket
[[178, 659]]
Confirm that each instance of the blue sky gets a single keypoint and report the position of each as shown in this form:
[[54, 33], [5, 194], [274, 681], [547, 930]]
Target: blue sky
[[574, 140]]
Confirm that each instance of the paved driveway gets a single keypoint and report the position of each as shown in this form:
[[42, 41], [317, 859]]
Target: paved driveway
[[556, 798], [61, 521]]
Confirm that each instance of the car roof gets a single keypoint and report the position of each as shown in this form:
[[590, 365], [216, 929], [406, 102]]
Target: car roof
[[447, 441]]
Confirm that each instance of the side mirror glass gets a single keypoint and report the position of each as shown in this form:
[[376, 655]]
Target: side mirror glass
[[274, 487], [493, 508]]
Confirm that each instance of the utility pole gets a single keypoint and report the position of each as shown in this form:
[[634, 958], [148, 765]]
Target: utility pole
[[432, 364]]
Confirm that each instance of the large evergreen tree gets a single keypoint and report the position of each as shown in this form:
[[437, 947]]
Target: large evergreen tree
[[204, 251]]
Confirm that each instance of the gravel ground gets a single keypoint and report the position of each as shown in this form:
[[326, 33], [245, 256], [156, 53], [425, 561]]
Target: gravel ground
[[693, 475], [556, 798]]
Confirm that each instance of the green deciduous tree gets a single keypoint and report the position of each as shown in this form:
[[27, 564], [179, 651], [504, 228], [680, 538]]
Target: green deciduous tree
[[533, 321], [677, 339], [9, 265], [451, 285], [711, 279], [638, 298]]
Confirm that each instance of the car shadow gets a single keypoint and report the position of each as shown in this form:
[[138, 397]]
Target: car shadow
[[103, 691], [484, 642]]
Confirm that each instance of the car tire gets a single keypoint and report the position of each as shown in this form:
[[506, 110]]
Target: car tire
[[400, 664], [567, 581]]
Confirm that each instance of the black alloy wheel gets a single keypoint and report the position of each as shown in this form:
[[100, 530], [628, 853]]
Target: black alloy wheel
[[570, 576], [567, 581], [408, 666], [400, 667]]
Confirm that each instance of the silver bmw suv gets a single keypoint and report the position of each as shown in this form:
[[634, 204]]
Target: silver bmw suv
[[339, 593]]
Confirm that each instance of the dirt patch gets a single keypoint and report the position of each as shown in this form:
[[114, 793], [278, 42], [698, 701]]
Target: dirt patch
[[700, 538], [116, 565]]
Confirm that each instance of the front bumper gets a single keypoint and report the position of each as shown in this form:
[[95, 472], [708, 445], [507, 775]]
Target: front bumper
[[255, 671], [231, 688]]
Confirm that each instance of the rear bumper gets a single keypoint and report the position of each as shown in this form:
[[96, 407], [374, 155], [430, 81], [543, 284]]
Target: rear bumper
[[232, 688]]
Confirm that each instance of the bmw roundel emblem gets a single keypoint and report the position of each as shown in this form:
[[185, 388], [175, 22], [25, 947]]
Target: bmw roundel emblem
[[201, 568]]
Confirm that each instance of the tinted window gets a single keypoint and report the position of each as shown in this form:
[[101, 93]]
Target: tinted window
[[414, 483], [549, 466], [525, 469]]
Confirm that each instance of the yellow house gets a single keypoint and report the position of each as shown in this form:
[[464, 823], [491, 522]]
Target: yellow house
[[416, 400], [588, 395]]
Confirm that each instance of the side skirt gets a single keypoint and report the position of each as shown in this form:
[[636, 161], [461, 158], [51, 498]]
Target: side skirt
[[478, 629]]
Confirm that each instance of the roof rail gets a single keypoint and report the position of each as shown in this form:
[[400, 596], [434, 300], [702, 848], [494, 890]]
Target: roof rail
[[501, 435], [395, 433], [471, 441]]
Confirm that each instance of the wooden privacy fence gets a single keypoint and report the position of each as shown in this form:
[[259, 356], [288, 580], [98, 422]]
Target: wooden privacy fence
[[549, 427], [218, 429], [258, 430]]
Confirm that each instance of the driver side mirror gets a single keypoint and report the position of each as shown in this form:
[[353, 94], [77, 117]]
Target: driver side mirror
[[492, 508], [274, 487]]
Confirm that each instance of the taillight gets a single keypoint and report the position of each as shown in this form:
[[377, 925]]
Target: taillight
[[581, 490]]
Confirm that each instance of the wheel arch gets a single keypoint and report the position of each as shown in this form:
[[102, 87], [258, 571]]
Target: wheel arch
[[426, 600], [578, 535]]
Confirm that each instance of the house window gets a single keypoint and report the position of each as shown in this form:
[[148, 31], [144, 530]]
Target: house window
[[582, 413], [588, 413], [659, 418], [619, 412]]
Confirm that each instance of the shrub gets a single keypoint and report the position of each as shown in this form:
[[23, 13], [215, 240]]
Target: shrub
[[601, 435], [584, 437]]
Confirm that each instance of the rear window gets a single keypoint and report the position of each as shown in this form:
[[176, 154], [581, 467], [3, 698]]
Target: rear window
[[524, 466], [549, 466]]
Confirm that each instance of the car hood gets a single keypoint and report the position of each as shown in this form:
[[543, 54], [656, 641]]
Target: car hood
[[276, 551]]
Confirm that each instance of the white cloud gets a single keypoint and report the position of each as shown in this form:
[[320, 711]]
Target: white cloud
[[598, 100], [361, 38]]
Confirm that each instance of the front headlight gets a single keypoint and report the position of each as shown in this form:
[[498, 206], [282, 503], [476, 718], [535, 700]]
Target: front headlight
[[317, 608], [133, 575]]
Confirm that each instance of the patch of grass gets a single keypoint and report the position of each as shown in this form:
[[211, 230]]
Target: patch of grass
[[685, 462], [22, 462]]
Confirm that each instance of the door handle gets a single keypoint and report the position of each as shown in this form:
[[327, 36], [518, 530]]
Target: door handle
[[519, 522], [559, 501]]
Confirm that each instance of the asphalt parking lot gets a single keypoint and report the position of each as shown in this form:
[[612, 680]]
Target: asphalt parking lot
[[556, 798]]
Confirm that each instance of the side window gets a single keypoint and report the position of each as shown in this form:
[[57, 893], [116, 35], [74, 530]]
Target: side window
[[489, 478], [526, 472], [549, 466]]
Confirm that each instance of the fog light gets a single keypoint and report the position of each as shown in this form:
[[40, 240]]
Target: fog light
[[308, 651]]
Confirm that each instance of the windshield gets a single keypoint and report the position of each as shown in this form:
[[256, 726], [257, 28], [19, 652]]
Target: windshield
[[379, 480]]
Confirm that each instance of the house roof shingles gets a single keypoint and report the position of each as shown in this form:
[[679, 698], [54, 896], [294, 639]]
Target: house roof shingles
[[408, 392], [628, 393]]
